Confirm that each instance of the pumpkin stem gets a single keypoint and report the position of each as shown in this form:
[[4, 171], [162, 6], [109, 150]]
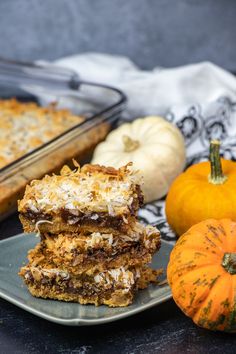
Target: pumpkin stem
[[229, 262], [216, 176], [130, 144]]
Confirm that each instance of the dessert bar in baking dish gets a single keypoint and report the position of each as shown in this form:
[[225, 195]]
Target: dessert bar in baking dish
[[26, 126]]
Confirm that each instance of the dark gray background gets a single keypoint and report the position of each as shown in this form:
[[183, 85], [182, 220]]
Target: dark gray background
[[151, 32]]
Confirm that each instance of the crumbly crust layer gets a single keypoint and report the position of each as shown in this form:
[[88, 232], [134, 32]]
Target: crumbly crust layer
[[113, 288], [116, 298], [98, 288]]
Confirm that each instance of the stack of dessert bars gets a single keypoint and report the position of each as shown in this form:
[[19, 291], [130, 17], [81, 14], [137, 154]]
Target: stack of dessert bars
[[92, 249]]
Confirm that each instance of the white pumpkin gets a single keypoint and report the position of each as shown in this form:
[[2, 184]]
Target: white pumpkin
[[156, 148]]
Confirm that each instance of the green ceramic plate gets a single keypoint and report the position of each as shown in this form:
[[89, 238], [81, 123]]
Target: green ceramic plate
[[13, 253]]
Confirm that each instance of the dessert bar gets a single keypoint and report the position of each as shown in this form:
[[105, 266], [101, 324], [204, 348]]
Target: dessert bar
[[84, 199], [26, 126], [92, 249], [114, 287], [80, 254]]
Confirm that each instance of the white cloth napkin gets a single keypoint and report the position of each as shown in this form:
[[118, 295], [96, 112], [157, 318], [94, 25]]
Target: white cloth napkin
[[199, 98]]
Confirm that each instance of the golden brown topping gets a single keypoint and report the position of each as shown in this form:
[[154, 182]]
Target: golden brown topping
[[92, 188], [26, 126]]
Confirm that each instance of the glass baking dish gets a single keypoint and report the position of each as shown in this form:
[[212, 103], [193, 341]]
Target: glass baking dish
[[101, 105]]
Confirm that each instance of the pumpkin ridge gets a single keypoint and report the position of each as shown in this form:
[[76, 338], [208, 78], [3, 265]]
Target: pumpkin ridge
[[201, 307], [228, 196], [231, 326], [182, 200], [206, 253], [230, 246], [163, 177], [173, 148], [198, 170], [157, 129], [210, 241], [196, 247], [189, 271], [135, 127], [191, 294]]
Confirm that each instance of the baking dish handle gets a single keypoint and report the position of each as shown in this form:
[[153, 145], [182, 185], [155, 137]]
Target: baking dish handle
[[46, 75]]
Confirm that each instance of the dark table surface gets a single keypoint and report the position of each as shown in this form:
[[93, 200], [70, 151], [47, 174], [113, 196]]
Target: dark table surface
[[160, 329]]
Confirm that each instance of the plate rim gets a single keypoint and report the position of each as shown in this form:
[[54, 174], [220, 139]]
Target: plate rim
[[78, 321]]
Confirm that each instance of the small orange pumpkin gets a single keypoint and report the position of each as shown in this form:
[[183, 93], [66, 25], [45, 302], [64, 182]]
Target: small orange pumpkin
[[205, 190], [202, 274]]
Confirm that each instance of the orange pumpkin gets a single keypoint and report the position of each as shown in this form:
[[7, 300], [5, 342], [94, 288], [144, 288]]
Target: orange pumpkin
[[202, 274], [205, 190]]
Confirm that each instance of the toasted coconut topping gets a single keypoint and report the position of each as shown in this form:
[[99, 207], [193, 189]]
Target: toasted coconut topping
[[40, 222], [91, 188], [26, 126], [119, 275]]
